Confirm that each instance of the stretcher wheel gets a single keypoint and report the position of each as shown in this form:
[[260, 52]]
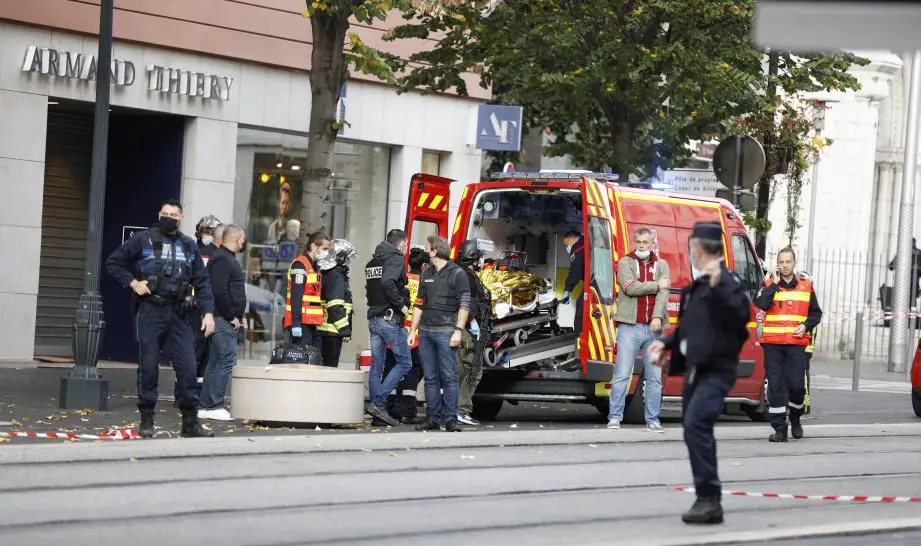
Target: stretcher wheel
[[520, 338], [489, 354]]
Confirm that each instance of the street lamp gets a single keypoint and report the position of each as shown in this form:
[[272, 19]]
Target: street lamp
[[84, 387]]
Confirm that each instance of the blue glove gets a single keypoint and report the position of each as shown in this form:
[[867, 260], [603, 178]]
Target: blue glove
[[565, 300], [296, 331], [474, 329]]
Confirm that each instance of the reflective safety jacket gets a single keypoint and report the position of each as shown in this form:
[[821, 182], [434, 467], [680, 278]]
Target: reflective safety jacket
[[303, 303], [790, 309], [337, 300], [412, 285]]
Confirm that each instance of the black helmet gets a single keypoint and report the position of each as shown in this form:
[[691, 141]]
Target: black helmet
[[468, 254]]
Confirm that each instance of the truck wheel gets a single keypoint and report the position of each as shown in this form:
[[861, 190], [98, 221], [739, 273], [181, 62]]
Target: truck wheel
[[635, 409], [486, 409], [916, 402], [603, 405]]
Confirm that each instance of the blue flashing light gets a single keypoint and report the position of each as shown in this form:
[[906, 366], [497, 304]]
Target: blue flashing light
[[549, 175]]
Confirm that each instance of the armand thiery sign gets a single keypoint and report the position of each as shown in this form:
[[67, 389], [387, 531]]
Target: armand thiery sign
[[164, 79]]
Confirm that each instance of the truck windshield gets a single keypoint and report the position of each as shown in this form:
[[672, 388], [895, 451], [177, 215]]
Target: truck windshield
[[602, 265]]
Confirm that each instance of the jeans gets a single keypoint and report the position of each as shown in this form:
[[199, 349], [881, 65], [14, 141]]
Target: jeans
[[439, 365], [222, 358], [385, 333], [630, 339]]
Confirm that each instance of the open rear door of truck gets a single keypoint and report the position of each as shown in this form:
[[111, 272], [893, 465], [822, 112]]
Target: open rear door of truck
[[596, 344], [427, 208]]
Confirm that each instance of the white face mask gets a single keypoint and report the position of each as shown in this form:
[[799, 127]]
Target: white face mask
[[642, 254], [569, 249], [207, 239], [322, 254], [696, 273]]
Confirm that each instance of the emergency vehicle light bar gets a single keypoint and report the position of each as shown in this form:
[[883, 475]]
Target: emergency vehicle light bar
[[608, 177]]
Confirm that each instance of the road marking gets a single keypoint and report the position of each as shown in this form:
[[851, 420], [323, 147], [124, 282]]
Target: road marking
[[865, 385], [833, 498]]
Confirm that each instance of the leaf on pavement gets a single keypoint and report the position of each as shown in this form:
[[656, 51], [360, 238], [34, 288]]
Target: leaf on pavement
[[592, 445], [15, 423], [513, 426], [392, 454], [366, 450]]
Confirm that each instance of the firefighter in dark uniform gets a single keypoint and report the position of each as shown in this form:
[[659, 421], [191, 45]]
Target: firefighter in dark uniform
[[162, 266], [705, 346], [575, 246], [204, 232], [337, 300], [473, 339], [791, 314], [303, 301], [810, 349]]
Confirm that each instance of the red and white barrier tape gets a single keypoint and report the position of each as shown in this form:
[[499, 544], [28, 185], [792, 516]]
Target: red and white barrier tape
[[833, 498], [118, 434]]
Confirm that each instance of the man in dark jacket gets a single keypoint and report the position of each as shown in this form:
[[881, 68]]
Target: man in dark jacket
[[712, 320], [337, 299], [575, 246], [229, 286], [388, 305]]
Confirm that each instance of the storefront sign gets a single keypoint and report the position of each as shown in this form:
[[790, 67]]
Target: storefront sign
[[174, 81], [692, 181], [498, 128]]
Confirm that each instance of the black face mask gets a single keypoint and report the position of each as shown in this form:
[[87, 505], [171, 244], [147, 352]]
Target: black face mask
[[169, 225], [243, 247]]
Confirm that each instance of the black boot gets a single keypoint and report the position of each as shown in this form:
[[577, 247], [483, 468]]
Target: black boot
[[779, 435], [427, 425], [452, 426], [146, 429], [191, 428], [796, 428], [705, 510]]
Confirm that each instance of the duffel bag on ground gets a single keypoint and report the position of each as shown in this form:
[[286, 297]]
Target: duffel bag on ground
[[292, 353]]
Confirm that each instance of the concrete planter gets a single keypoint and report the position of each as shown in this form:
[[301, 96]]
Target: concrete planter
[[298, 394]]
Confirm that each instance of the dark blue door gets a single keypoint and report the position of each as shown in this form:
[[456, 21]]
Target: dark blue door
[[144, 169]]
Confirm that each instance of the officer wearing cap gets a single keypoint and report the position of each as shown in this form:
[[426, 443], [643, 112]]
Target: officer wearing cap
[[711, 331]]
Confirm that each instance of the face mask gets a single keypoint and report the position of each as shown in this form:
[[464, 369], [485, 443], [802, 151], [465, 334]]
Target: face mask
[[322, 254], [569, 249], [642, 254], [696, 273], [242, 248], [168, 224], [207, 240]]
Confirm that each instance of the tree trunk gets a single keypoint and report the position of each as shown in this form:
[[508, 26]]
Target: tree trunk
[[764, 185], [623, 147], [327, 74]]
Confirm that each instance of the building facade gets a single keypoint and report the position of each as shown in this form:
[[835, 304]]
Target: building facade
[[210, 104]]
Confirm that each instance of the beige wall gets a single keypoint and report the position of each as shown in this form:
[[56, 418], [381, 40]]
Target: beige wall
[[269, 32]]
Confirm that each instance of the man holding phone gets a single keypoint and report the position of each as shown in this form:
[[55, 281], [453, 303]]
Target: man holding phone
[[792, 312]]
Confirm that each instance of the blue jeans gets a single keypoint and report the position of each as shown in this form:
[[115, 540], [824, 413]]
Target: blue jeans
[[439, 365], [385, 333], [630, 339], [222, 355]]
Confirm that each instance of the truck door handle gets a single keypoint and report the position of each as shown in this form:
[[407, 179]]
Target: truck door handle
[[596, 314]]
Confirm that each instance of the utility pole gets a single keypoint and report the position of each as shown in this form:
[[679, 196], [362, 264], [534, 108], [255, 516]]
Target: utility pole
[[85, 387], [764, 187], [904, 274]]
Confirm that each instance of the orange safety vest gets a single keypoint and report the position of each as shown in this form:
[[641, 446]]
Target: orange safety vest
[[312, 312], [790, 309], [413, 287]]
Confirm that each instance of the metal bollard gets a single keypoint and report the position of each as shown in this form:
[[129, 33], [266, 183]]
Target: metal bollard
[[858, 348]]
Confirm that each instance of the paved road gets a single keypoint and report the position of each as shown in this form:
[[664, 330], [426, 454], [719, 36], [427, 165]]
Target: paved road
[[876, 539], [535, 487]]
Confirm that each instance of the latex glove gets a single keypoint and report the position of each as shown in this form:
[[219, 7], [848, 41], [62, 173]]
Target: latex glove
[[296, 331], [474, 329], [565, 300]]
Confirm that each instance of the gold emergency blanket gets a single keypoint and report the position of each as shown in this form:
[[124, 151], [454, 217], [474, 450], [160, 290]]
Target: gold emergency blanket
[[517, 288]]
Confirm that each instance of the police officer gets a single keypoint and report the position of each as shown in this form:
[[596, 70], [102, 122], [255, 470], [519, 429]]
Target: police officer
[[791, 313], [575, 246], [337, 300], [473, 339], [705, 346], [303, 300], [168, 267]]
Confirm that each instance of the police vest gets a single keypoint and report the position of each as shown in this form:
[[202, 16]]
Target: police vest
[[374, 274], [412, 285], [439, 294], [311, 304], [169, 274], [790, 309]]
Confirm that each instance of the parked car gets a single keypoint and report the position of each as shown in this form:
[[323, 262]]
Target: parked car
[[916, 381]]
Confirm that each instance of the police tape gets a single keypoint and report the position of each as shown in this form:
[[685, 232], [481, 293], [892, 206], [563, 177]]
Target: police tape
[[832, 498], [117, 434]]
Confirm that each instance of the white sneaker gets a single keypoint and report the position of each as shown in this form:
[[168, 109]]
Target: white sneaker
[[219, 414], [655, 427], [614, 424]]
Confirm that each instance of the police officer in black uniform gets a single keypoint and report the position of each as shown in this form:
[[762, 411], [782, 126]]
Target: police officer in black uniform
[[161, 266], [712, 320], [575, 246], [474, 338]]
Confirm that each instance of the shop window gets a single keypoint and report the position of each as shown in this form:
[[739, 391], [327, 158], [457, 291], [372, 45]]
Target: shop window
[[422, 230], [602, 264]]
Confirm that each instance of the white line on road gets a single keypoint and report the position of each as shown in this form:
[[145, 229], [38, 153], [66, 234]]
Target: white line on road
[[865, 385]]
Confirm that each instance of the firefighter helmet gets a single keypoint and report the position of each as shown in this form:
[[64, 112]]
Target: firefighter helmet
[[469, 253], [207, 222], [340, 252]]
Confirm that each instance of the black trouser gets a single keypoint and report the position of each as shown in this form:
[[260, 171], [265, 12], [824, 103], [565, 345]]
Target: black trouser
[[577, 321], [164, 327], [702, 403], [403, 404], [785, 367], [331, 348], [201, 353]]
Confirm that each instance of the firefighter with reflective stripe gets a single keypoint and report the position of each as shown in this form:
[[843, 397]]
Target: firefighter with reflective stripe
[[303, 301], [791, 314], [807, 401], [337, 300]]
